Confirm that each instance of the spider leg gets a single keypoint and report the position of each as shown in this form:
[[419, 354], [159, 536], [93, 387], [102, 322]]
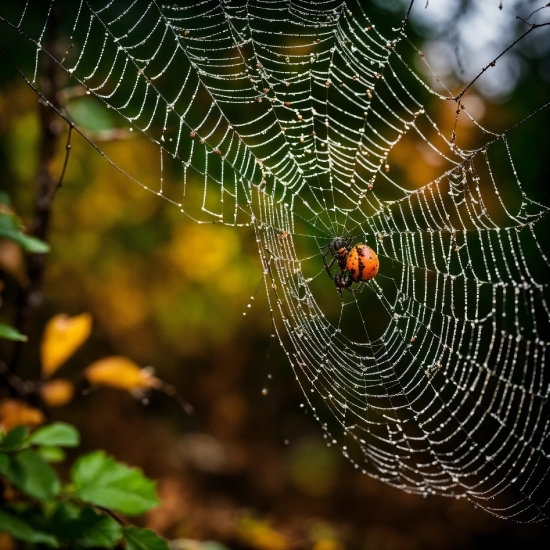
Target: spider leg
[[328, 266], [354, 289], [331, 263]]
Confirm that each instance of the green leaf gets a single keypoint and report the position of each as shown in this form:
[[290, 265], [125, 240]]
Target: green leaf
[[210, 545], [29, 472], [90, 114], [85, 527], [99, 480], [15, 437], [98, 530], [64, 520], [23, 531], [59, 433], [11, 333], [52, 454], [5, 198], [10, 228], [4, 463], [143, 539], [32, 244]]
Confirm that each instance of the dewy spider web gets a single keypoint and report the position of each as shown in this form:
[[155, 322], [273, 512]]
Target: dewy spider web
[[291, 116]]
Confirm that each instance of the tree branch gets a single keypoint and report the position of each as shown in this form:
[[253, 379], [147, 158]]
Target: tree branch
[[29, 296]]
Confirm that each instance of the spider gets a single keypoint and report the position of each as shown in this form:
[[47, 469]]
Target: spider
[[339, 248], [357, 264]]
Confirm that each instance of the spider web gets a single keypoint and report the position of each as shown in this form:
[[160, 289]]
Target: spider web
[[292, 118]]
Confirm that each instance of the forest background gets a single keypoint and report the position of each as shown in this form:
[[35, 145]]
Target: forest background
[[247, 470]]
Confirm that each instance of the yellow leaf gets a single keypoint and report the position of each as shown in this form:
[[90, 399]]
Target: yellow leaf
[[119, 372], [14, 413], [57, 393], [259, 534], [328, 545], [62, 336]]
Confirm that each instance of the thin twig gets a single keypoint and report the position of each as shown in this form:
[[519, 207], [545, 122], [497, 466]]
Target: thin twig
[[171, 391], [67, 152], [537, 10], [493, 63]]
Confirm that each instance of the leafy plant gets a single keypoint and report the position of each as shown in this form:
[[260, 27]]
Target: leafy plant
[[11, 229], [36, 507], [39, 509]]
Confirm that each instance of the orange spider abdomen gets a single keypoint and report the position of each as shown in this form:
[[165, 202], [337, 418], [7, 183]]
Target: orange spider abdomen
[[362, 263]]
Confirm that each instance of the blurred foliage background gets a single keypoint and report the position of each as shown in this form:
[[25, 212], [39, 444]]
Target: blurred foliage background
[[248, 471]]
